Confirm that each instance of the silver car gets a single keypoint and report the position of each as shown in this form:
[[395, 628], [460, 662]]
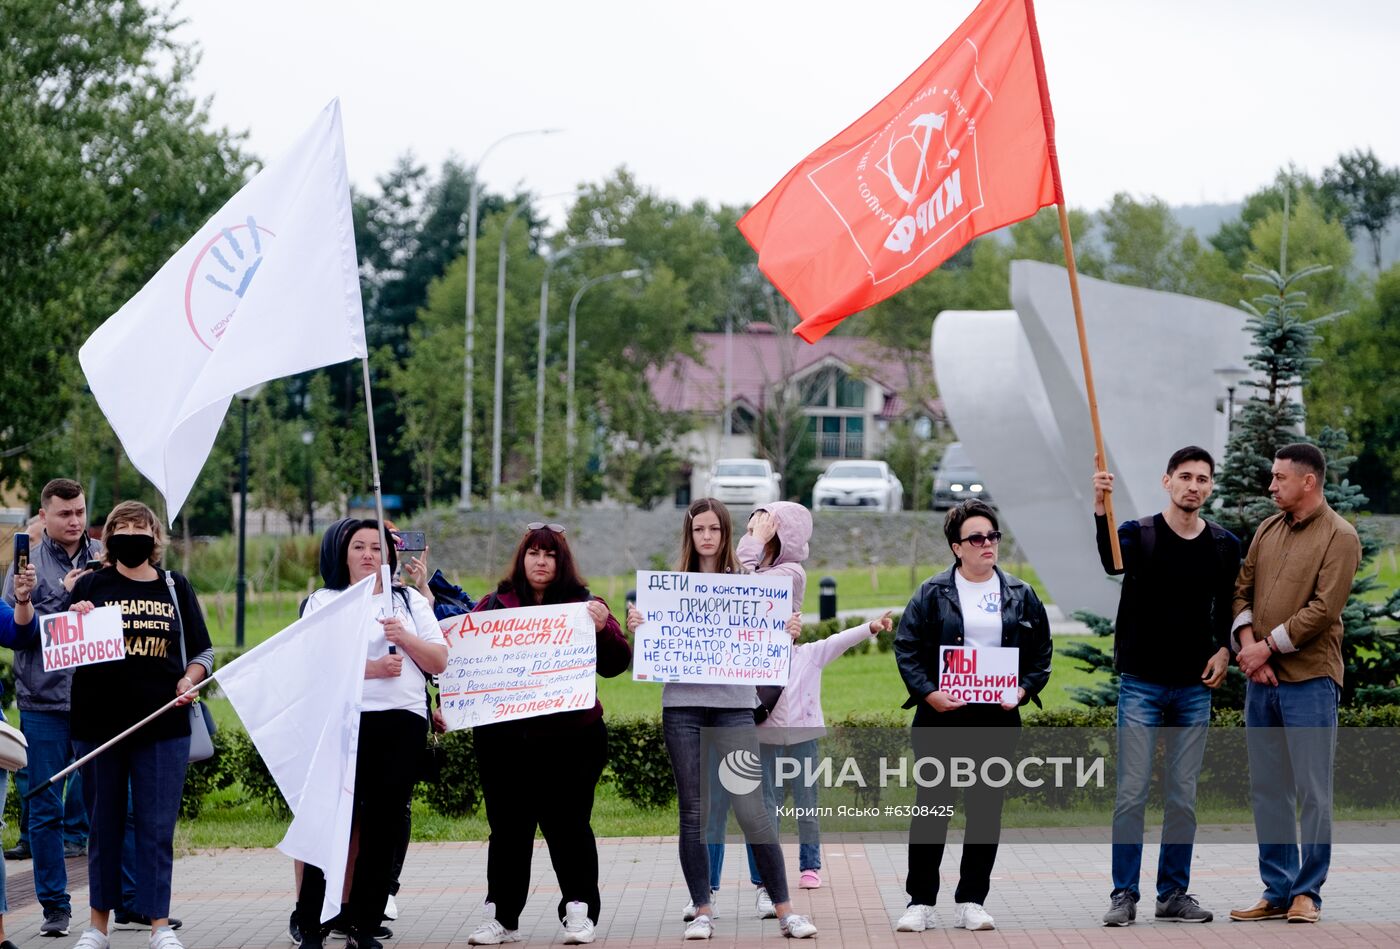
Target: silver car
[[746, 482], [858, 486]]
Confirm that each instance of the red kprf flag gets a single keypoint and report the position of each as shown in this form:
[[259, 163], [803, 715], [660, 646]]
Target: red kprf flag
[[961, 148]]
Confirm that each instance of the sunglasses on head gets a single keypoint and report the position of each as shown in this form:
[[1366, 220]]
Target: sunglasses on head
[[541, 525], [982, 540]]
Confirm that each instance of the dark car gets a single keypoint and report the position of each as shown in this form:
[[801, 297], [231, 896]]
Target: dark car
[[957, 479]]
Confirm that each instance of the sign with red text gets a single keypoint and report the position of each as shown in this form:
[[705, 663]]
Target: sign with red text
[[712, 628], [521, 663], [990, 674], [69, 640]]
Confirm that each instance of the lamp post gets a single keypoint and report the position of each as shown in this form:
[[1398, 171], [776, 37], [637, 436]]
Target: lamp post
[[469, 368], [244, 397], [549, 263], [307, 437], [1231, 375], [569, 416]]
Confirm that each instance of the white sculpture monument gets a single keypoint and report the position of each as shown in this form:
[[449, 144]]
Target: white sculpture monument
[[1012, 383]]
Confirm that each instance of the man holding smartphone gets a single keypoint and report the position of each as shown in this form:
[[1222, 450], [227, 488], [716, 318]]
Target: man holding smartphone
[[60, 557]]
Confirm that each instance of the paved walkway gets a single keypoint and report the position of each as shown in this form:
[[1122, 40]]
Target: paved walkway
[[1047, 891]]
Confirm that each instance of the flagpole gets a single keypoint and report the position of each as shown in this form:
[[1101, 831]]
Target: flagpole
[[1101, 456], [55, 778], [385, 579]]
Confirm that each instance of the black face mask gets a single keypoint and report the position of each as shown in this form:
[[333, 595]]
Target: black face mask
[[132, 550]]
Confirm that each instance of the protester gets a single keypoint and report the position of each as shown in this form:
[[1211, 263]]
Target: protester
[[1288, 605], [727, 712], [973, 604], [17, 625], [393, 728], [1171, 648], [60, 558], [160, 615], [543, 772]]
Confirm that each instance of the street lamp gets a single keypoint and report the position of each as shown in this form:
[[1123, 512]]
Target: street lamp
[[569, 414], [549, 263], [465, 501], [307, 437], [244, 397], [1231, 375]]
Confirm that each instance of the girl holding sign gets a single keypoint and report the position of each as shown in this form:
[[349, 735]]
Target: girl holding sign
[[688, 710], [543, 771], [972, 606], [159, 610]]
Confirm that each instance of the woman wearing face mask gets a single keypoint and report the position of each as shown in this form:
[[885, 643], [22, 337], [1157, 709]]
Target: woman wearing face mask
[[689, 710], [543, 771], [406, 645], [109, 697]]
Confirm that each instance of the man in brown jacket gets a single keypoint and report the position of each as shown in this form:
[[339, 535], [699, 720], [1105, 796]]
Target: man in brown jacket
[[1288, 632]]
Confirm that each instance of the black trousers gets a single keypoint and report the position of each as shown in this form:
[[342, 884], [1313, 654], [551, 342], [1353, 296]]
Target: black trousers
[[976, 732], [386, 770], [532, 778]]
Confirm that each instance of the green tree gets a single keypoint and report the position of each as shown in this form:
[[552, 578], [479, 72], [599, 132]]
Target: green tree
[[1038, 238], [1148, 248], [1367, 193]]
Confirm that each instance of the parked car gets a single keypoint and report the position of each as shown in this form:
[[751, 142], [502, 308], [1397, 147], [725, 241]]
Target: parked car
[[957, 479], [746, 482], [858, 485]]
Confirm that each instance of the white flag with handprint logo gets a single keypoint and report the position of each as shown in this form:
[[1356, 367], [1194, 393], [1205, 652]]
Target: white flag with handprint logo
[[268, 287]]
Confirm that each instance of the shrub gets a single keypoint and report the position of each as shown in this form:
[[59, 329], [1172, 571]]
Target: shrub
[[212, 774], [638, 762], [248, 769], [451, 783]]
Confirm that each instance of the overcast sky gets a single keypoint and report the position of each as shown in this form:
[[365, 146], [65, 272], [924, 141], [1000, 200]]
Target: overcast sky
[[1189, 100]]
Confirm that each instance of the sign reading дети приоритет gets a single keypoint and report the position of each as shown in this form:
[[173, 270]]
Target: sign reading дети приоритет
[[712, 628], [518, 663]]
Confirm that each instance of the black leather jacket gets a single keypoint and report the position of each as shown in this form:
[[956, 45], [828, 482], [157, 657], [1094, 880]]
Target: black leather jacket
[[933, 618]]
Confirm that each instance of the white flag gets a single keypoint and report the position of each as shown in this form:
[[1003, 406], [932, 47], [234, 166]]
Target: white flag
[[299, 696], [269, 287]]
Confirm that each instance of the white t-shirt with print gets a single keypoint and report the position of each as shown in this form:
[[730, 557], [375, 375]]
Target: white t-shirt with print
[[406, 691], [981, 610]]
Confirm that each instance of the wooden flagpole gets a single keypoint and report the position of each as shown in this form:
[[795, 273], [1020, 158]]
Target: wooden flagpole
[[386, 579], [1101, 456]]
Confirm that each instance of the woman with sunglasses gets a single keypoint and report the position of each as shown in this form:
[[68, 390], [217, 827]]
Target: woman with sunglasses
[[972, 604], [543, 771], [690, 711]]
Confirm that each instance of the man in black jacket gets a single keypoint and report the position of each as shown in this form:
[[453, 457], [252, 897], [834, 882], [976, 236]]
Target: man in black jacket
[[1171, 648]]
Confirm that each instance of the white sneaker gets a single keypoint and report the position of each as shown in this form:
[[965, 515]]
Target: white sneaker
[[688, 913], [764, 904], [578, 928], [973, 916], [165, 938], [795, 926], [700, 928], [92, 939], [917, 918], [490, 932], [391, 909]]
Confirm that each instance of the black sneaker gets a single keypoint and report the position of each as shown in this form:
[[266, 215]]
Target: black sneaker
[[8, 945], [124, 920], [294, 930], [56, 922], [1182, 907], [340, 929], [71, 850], [1122, 909], [19, 851]]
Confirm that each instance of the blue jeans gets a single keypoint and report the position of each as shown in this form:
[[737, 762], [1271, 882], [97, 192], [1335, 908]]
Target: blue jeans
[[1183, 712], [1291, 733], [75, 822], [4, 789], [153, 773], [809, 848], [50, 751]]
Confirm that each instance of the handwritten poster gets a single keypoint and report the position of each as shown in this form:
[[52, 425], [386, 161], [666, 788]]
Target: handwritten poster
[[712, 628], [985, 675], [521, 663], [69, 640]]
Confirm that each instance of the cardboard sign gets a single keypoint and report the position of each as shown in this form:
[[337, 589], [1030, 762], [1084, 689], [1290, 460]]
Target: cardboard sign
[[69, 640], [990, 674], [712, 628], [504, 665]]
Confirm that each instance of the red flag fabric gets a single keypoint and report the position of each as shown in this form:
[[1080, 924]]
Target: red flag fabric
[[960, 148]]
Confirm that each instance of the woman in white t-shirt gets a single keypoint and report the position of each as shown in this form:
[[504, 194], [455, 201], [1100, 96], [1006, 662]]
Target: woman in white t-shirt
[[972, 605], [406, 647]]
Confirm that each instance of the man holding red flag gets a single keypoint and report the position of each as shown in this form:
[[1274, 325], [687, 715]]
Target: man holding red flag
[[960, 148]]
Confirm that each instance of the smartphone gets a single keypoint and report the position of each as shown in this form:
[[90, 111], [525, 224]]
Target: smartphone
[[94, 565], [411, 541], [21, 551]]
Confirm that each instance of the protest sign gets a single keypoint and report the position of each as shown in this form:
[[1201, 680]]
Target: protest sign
[[712, 628], [72, 639], [519, 663], [983, 675]]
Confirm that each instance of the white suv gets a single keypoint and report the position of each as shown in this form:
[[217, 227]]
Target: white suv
[[746, 482]]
